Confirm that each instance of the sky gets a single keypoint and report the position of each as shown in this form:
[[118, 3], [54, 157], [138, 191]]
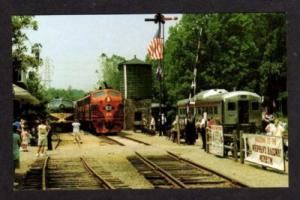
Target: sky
[[73, 44]]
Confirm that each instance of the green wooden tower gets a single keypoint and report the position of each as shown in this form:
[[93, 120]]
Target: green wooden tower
[[136, 78]]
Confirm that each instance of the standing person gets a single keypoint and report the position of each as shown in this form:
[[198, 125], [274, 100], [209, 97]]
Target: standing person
[[203, 125], [17, 123], [42, 138], [25, 136], [190, 131], [76, 130], [163, 123], [152, 123], [265, 118], [271, 128], [16, 149], [49, 136]]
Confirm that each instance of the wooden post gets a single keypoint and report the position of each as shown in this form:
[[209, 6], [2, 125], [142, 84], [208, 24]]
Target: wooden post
[[206, 138], [235, 145], [178, 132], [242, 150]]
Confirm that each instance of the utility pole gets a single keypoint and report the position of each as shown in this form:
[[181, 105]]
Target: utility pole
[[47, 72], [195, 69], [160, 19]]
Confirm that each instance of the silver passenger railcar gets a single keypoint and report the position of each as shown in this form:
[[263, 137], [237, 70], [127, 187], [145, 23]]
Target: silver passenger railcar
[[229, 109]]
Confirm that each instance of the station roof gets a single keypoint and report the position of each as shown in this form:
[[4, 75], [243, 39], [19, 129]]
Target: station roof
[[21, 94]]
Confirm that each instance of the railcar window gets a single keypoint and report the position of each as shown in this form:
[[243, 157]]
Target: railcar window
[[231, 106], [200, 111], [113, 93], [215, 110], [209, 110], [254, 106]]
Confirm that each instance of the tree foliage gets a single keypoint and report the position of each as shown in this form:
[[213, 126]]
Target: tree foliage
[[238, 51], [68, 94], [110, 72], [22, 58], [25, 58]]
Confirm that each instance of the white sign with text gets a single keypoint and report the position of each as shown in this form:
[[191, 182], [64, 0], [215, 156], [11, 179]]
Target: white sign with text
[[264, 150], [217, 140]]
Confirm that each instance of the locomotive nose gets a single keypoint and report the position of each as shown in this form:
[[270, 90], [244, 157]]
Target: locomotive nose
[[109, 125]]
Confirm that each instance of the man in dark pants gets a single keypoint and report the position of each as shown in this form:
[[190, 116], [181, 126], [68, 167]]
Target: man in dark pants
[[49, 137], [190, 131]]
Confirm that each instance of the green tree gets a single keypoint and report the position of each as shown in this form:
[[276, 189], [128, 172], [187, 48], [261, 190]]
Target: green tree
[[68, 94], [110, 72], [25, 58], [238, 51]]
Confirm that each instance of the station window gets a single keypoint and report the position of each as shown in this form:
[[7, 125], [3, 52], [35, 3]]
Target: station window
[[231, 106], [254, 105]]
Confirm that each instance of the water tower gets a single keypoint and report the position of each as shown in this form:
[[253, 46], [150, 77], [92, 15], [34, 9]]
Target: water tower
[[136, 87]]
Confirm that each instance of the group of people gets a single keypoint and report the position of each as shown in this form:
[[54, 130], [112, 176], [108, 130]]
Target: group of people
[[162, 123], [22, 137], [272, 126]]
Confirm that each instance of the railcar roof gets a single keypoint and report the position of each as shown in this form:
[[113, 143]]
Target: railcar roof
[[183, 102], [237, 93], [213, 94], [217, 95]]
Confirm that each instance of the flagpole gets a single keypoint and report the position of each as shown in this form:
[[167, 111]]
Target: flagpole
[[195, 68], [160, 19], [160, 83]]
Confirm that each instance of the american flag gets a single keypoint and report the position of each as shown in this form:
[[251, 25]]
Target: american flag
[[155, 48]]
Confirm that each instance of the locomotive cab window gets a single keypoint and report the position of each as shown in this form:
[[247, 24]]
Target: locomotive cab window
[[254, 105], [99, 94], [231, 106], [113, 93]]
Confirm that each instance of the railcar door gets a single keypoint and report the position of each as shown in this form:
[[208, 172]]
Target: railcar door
[[243, 109]]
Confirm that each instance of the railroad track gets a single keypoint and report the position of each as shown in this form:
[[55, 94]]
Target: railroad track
[[171, 171], [72, 173], [119, 140]]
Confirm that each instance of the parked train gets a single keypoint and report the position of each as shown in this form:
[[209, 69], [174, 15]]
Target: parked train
[[101, 111], [61, 113], [229, 109]]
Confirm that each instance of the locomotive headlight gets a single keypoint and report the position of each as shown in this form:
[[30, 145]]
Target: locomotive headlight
[[108, 99]]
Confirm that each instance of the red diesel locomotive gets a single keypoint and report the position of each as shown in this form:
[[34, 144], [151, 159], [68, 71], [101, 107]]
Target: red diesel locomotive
[[101, 111]]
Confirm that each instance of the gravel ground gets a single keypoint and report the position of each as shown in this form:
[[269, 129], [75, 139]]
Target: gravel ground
[[113, 159]]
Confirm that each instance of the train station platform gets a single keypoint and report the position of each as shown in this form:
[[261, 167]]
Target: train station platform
[[247, 173]]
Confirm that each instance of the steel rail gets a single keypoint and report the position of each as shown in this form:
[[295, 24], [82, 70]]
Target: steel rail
[[108, 138], [106, 184], [58, 141], [135, 140], [207, 169], [171, 179], [44, 186]]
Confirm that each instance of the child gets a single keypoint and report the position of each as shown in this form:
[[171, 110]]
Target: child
[[25, 139]]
